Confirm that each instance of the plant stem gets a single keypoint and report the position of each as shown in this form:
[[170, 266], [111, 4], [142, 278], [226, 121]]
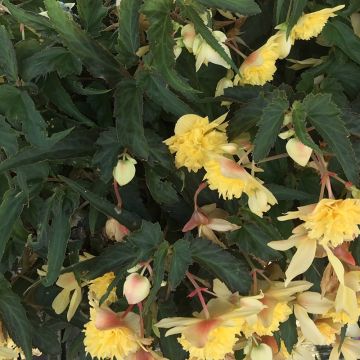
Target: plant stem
[[199, 294]]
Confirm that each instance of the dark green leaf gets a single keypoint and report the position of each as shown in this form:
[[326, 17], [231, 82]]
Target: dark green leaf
[[288, 331], [100, 62], [295, 13], [8, 62], [284, 193], [325, 116], [222, 264], [8, 138], [204, 31], [10, 210], [244, 7], [17, 105], [57, 94], [107, 153], [161, 189], [160, 94], [46, 340], [160, 34], [91, 15], [180, 262], [14, 317], [299, 121], [128, 33], [253, 240], [130, 220], [48, 60], [63, 206], [158, 275], [129, 118], [270, 124], [338, 34], [77, 144]]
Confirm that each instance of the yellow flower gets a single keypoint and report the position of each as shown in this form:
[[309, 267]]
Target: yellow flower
[[125, 170], [330, 222], [231, 180], [259, 67], [328, 329], [98, 288], [214, 337], [283, 44], [348, 347], [108, 335], [310, 25], [69, 296], [195, 139]]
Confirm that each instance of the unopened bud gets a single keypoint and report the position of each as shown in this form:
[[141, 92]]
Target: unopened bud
[[124, 171], [299, 152], [230, 148], [188, 35], [136, 288], [115, 231]]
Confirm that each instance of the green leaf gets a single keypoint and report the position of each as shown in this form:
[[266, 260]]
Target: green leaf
[[299, 121], [161, 189], [129, 118], [48, 60], [222, 264], [8, 62], [107, 153], [126, 218], [158, 274], [159, 93], [325, 116], [280, 11], [17, 106], [253, 240], [336, 33], [63, 206], [295, 13], [91, 15], [160, 35], [128, 33], [8, 138], [285, 193], [147, 239], [180, 262], [244, 7], [99, 61], [288, 331], [46, 340], [34, 21], [270, 124], [57, 94], [10, 210], [204, 31], [14, 317]]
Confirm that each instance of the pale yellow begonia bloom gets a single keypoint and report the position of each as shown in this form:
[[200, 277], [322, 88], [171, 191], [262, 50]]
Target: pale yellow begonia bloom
[[311, 25], [98, 288], [196, 139], [349, 348], [124, 171]]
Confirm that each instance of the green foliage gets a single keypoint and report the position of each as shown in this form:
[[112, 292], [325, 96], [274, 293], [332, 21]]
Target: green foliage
[[76, 93]]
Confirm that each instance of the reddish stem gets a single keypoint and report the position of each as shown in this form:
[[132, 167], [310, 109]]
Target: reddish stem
[[123, 316], [141, 319], [199, 294], [201, 187], [117, 194]]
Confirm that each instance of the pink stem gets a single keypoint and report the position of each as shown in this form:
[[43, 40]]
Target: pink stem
[[141, 319], [123, 316], [117, 194], [199, 294]]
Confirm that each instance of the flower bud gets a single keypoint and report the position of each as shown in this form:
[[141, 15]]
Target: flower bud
[[124, 171], [114, 230], [299, 152], [136, 288], [188, 35]]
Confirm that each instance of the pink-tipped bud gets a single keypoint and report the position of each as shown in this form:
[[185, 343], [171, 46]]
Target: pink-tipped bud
[[107, 319], [136, 288], [299, 152], [115, 231]]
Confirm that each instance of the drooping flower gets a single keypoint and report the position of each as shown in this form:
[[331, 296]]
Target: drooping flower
[[99, 286], [115, 231], [205, 54], [110, 335], [188, 35], [259, 67], [330, 222], [214, 337], [299, 152], [310, 25], [136, 288], [230, 179], [196, 139]]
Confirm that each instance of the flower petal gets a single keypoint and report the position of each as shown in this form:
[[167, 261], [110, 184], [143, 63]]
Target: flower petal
[[74, 303], [61, 301], [314, 303]]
